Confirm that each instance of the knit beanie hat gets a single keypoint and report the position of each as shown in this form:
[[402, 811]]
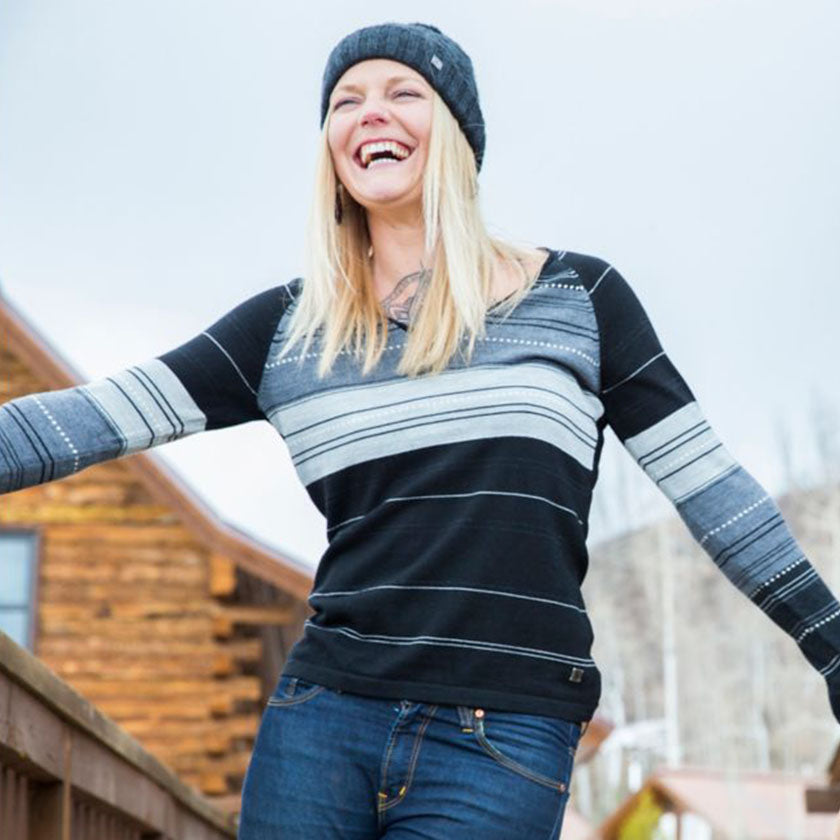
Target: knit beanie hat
[[424, 48]]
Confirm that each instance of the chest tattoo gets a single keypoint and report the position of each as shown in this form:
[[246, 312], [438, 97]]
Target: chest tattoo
[[404, 300]]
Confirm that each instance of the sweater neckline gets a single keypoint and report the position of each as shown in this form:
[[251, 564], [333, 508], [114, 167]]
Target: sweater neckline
[[552, 254]]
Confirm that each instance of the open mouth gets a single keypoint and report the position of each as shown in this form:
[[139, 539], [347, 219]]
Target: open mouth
[[381, 160]]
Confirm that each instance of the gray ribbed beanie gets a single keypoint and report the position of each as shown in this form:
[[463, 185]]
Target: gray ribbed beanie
[[423, 47]]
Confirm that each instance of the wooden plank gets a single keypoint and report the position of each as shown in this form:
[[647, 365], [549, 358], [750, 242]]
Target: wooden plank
[[240, 726], [131, 561], [6, 805], [141, 668], [105, 648], [257, 615], [234, 763], [33, 732], [22, 807], [128, 610], [48, 818], [222, 575], [174, 534], [68, 743], [172, 744], [134, 651], [223, 665], [222, 626], [169, 743], [112, 472], [5, 705], [36, 512], [179, 627], [244, 650], [221, 705], [125, 569], [123, 711], [126, 559], [242, 688], [57, 592], [171, 752], [108, 779], [99, 493], [230, 803], [213, 783]]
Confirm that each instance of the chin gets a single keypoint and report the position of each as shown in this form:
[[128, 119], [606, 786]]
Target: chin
[[390, 196]]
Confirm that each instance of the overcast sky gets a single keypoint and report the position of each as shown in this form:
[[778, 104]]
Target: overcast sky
[[156, 162]]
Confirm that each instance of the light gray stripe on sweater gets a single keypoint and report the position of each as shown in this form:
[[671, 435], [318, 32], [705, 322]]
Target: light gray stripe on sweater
[[630, 376], [137, 417], [831, 667], [478, 590], [681, 453], [467, 644], [727, 511], [472, 493], [230, 359], [329, 431]]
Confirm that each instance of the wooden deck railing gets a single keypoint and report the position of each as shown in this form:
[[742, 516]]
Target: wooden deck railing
[[67, 772]]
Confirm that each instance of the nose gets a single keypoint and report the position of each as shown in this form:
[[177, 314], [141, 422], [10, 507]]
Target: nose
[[371, 116]]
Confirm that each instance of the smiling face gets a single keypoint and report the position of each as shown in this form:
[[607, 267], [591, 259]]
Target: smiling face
[[381, 100]]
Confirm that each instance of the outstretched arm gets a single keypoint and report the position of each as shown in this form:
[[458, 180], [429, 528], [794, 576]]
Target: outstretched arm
[[209, 382], [656, 417]]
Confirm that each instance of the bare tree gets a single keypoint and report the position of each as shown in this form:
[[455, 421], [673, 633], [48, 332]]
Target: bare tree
[[824, 422], [784, 443]]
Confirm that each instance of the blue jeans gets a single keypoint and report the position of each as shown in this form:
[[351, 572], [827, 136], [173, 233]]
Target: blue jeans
[[336, 765]]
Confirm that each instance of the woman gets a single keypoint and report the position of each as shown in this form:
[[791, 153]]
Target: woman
[[444, 397]]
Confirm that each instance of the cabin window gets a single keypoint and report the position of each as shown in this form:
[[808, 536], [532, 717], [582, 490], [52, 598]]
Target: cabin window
[[18, 552]]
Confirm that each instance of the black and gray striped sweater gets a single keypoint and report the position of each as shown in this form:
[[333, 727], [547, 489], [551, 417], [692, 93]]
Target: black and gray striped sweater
[[456, 504]]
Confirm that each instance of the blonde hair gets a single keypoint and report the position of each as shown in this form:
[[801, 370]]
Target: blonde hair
[[464, 260]]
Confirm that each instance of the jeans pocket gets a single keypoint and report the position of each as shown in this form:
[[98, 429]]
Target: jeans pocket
[[291, 690], [538, 747]]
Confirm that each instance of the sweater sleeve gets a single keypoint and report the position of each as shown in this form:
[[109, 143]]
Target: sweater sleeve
[[209, 382], [658, 420]]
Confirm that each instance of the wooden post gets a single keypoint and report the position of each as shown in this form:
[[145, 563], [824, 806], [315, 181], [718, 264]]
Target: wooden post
[[49, 819], [22, 806], [14, 793], [51, 806]]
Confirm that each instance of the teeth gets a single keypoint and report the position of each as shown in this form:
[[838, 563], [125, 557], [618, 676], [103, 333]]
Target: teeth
[[369, 149]]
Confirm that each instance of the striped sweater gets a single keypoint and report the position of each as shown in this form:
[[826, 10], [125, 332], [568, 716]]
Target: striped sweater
[[456, 504]]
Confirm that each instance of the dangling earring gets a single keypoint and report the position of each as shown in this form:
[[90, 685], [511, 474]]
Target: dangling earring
[[338, 208]]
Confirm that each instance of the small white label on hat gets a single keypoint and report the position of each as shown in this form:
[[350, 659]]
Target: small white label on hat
[[437, 62]]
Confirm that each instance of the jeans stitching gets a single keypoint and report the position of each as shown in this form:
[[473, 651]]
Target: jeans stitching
[[558, 822], [291, 701], [413, 763], [392, 737], [465, 715], [500, 757]]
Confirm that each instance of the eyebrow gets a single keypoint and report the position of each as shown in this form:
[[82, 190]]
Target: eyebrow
[[389, 81]]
